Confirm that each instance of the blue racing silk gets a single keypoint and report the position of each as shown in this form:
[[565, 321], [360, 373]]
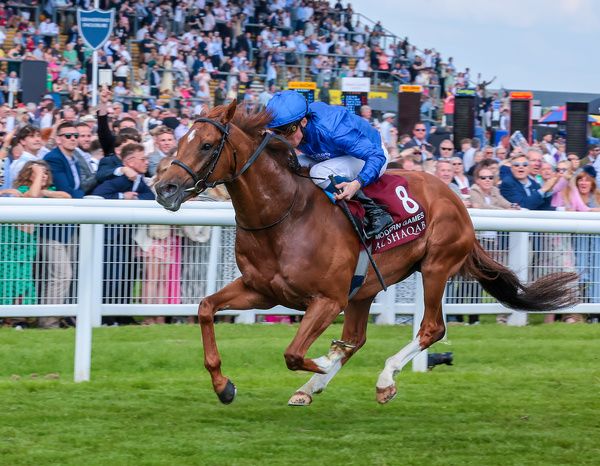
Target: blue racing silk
[[333, 131]]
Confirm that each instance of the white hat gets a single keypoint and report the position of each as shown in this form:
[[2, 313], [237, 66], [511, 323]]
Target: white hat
[[389, 115]]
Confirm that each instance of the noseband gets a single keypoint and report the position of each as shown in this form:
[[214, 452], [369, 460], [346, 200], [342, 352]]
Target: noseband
[[201, 183]]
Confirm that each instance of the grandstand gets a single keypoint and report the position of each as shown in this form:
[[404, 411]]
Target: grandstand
[[300, 41]]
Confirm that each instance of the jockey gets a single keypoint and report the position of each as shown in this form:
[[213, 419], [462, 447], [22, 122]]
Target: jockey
[[333, 141]]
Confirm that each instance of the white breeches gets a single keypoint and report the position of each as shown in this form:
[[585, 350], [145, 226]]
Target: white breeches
[[345, 166]]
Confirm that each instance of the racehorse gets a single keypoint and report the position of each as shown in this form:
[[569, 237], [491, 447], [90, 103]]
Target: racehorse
[[297, 249]]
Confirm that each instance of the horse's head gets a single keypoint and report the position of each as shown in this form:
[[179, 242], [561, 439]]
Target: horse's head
[[203, 158]]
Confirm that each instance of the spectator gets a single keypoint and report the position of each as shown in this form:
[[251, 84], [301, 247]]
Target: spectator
[[122, 187], [220, 93], [460, 179], [30, 141], [385, 129], [484, 195], [160, 251], [88, 165], [65, 171], [120, 267], [468, 153], [446, 149], [535, 157], [445, 172], [419, 139], [164, 142], [21, 242], [57, 249], [519, 187]]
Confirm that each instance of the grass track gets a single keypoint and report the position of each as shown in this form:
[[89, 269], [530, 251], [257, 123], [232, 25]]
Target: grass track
[[516, 396]]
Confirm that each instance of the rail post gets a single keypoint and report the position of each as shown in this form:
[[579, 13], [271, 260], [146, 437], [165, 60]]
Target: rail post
[[518, 260], [83, 328], [419, 363]]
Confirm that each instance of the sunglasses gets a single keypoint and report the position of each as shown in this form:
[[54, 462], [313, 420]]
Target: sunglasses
[[520, 164], [486, 178], [419, 130], [446, 148], [69, 135], [456, 163]]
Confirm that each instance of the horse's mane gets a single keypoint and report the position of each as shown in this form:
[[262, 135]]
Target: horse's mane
[[252, 124]]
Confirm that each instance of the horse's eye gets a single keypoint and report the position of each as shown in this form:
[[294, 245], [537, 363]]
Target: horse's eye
[[206, 146]]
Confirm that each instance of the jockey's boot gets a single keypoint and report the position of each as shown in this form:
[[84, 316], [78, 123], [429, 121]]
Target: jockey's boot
[[378, 219]]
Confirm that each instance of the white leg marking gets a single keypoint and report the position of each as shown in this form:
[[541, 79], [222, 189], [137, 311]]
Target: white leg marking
[[396, 362], [318, 382], [326, 363]]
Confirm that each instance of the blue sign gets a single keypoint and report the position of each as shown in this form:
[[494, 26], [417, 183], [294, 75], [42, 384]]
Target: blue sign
[[95, 26]]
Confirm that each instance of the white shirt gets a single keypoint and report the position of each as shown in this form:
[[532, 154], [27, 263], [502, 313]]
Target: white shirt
[[17, 165], [384, 129]]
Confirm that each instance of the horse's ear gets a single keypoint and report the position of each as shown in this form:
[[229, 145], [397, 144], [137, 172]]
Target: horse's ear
[[229, 112]]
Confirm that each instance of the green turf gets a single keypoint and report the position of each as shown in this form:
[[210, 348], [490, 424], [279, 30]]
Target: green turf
[[516, 396]]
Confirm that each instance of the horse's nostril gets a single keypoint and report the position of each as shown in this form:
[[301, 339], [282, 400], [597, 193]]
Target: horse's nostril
[[168, 189]]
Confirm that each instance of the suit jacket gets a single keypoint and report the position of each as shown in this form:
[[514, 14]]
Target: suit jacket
[[153, 160], [62, 174], [107, 167], [111, 188], [88, 177], [497, 201], [514, 192]]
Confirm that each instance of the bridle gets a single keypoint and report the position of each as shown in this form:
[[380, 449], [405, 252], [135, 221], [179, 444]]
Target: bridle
[[201, 183], [201, 177]]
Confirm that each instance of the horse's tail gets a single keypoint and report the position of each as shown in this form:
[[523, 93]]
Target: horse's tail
[[551, 292]]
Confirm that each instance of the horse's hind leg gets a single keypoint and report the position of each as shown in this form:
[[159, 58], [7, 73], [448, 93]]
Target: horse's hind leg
[[238, 296], [356, 317], [432, 329]]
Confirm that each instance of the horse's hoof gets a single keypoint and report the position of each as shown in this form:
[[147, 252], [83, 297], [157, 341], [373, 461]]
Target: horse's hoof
[[386, 394], [228, 393], [300, 399]]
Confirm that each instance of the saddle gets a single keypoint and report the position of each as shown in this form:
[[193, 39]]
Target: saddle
[[393, 192]]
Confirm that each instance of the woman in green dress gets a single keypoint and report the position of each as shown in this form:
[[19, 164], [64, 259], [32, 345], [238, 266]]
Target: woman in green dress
[[18, 243]]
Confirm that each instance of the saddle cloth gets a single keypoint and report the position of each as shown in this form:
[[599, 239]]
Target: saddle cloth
[[392, 191]]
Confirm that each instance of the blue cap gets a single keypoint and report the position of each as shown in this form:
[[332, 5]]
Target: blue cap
[[286, 107]]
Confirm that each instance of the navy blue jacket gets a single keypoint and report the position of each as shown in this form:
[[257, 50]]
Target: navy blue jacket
[[62, 174], [107, 167], [110, 189], [514, 191]]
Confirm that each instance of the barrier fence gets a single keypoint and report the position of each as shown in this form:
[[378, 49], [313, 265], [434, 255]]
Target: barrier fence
[[100, 258]]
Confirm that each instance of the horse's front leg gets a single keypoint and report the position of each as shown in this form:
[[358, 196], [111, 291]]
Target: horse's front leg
[[356, 316], [320, 313], [238, 296]]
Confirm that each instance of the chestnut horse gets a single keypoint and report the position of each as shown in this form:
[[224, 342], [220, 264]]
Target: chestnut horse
[[296, 249]]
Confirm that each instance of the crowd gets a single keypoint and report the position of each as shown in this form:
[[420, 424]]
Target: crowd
[[172, 52], [64, 147]]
